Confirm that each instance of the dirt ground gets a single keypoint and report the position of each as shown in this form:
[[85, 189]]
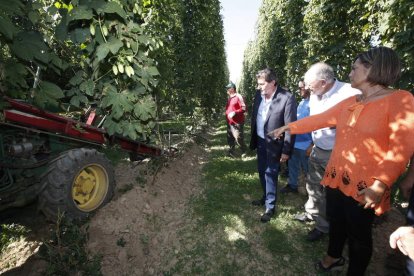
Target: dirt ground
[[137, 232], [147, 218]]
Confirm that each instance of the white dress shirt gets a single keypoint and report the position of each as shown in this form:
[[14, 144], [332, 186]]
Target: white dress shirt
[[324, 138]]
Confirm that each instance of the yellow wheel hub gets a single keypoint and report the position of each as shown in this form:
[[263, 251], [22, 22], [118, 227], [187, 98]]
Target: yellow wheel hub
[[90, 187]]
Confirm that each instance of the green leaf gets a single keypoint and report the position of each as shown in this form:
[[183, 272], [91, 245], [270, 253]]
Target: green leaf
[[12, 7], [131, 133], [76, 79], [117, 111], [113, 7], [37, 6], [144, 39], [51, 90], [61, 30], [145, 109], [139, 90], [80, 13], [7, 28], [80, 35], [138, 127], [72, 92], [30, 46], [87, 87], [153, 71], [114, 45], [109, 96], [47, 94], [102, 51], [34, 17], [16, 74], [124, 101], [134, 27], [58, 62], [77, 100]]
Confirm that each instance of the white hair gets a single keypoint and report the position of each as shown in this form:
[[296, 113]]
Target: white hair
[[320, 71]]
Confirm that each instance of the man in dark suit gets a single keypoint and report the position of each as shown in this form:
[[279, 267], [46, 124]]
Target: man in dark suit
[[273, 107]]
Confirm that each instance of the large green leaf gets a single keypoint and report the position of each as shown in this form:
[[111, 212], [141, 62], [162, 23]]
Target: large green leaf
[[131, 133], [109, 98], [47, 94], [7, 28], [153, 71], [87, 87], [80, 35], [139, 90], [77, 100], [145, 109], [108, 7], [102, 51], [76, 79], [12, 7], [58, 62], [61, 30], [114, 45], [113, 7], [16, 74], [30, 46], [80, 13], [51, 90], [124, 102], [34, 17]]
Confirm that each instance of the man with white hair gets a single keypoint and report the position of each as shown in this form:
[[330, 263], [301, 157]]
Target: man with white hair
[[326, 92]]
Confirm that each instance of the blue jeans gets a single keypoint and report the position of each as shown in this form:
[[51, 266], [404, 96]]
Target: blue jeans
[[298, 161], [268, 169]]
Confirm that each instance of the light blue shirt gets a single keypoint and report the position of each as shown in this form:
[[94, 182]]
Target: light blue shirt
[[303, 141], [262, 114]]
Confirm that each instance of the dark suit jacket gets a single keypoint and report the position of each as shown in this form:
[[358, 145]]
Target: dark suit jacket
[[282, 111]]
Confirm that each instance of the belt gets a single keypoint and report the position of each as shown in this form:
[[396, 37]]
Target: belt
[[323, 149]]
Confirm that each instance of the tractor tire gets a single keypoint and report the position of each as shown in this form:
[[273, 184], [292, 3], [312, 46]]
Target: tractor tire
[[76, 184]]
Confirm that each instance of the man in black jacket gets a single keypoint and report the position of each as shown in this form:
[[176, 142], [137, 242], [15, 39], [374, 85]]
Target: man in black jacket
[[273, 107]]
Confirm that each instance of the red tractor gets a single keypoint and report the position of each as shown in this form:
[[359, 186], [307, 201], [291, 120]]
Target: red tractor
[[58, 160]]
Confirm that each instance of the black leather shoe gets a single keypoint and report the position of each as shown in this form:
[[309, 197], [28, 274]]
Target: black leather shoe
[[231, 154], [267, 216], [335, 266], [303, 217], [258, 202], [314, 235]]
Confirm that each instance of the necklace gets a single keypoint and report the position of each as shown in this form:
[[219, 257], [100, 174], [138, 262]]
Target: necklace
[[363, 98]]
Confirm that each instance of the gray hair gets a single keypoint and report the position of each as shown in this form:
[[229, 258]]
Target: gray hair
[[320, 71]]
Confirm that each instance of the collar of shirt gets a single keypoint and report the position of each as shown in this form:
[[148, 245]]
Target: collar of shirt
[[271, 96], [330, 91]]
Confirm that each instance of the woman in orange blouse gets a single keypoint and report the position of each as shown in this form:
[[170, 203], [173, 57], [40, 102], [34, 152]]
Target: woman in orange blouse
[[372, 149]]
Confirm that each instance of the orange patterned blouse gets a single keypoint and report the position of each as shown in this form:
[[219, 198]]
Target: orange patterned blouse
[[373, 141]]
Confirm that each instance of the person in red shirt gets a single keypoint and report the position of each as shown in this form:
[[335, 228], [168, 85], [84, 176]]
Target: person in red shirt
[[235, 109]]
